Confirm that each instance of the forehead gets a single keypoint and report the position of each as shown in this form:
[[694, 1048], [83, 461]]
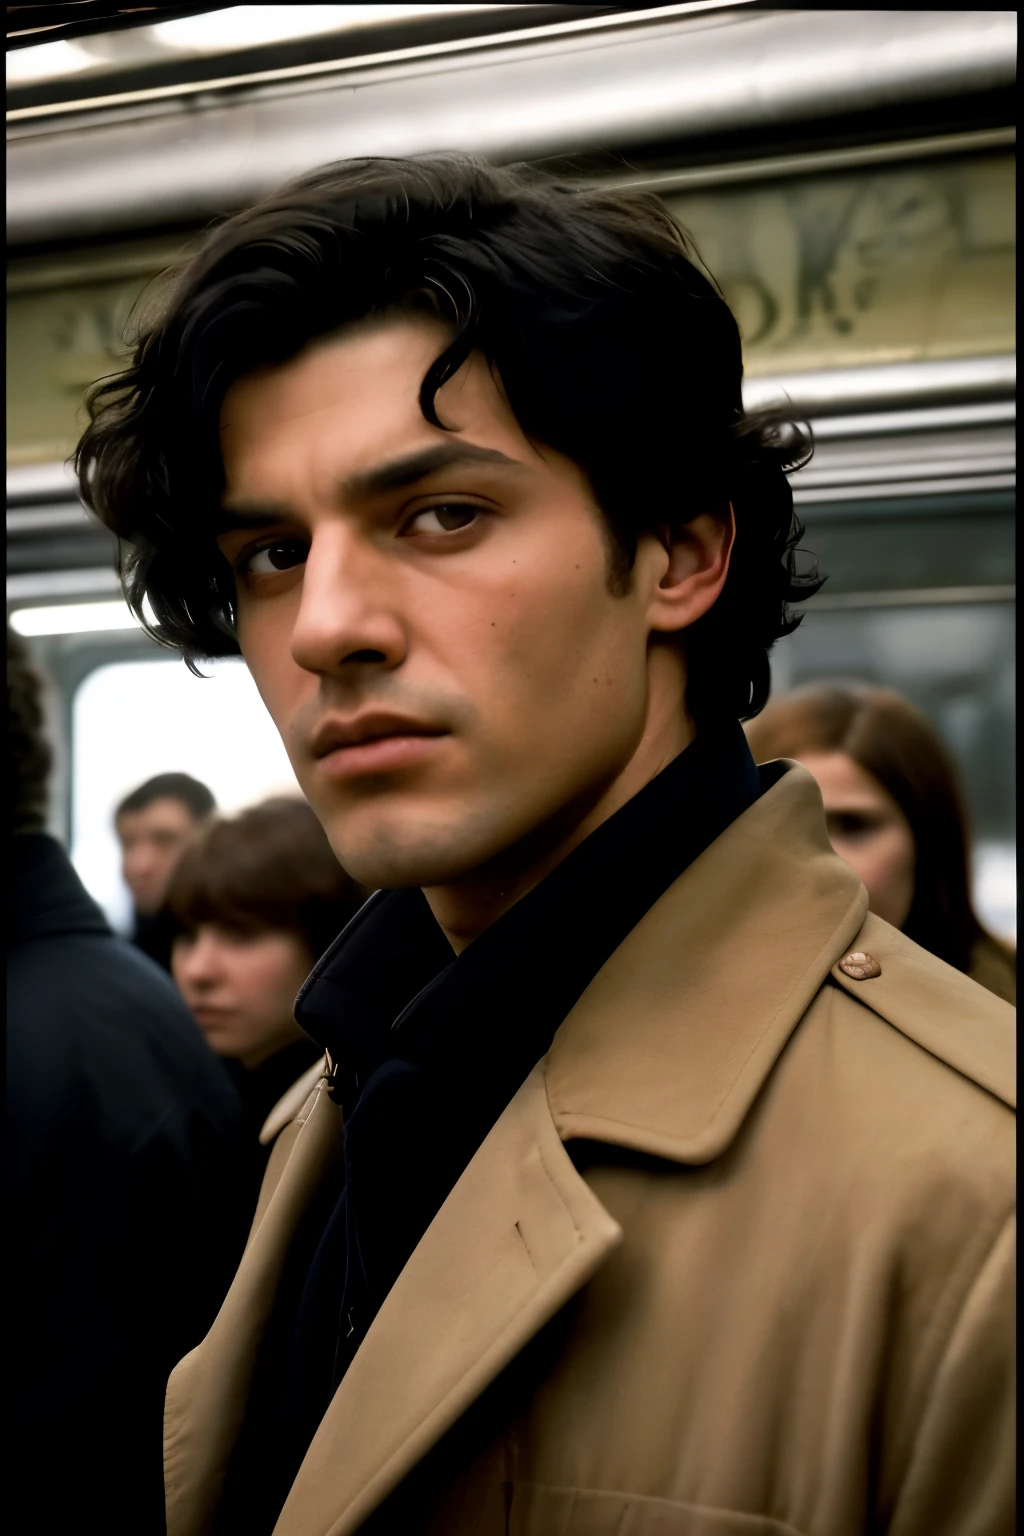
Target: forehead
[[229, 927], [351, 402], [839, 777], [165, 814]]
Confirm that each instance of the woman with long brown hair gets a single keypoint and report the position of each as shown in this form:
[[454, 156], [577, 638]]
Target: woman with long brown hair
[[895, 812]]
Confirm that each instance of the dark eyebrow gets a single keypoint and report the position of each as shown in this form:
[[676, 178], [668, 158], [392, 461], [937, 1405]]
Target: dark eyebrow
[[245, 518], [366, 484], [404, 472]]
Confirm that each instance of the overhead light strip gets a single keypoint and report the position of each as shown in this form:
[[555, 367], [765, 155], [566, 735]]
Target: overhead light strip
[[301, 72], [73, 619]]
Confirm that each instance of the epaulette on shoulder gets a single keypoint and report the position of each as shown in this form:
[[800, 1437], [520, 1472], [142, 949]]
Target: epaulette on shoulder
[[939, 1008]]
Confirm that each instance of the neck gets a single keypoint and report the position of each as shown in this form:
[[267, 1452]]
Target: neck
[[291, 1034], [464, 908]]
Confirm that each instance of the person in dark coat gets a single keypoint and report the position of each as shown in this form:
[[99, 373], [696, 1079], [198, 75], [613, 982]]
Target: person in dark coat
[[127, 1204], [153, 825]]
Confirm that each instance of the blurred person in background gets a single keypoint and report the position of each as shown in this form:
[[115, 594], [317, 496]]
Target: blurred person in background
[[895, 812], [126, 1179], [257, 899], [153, 824]]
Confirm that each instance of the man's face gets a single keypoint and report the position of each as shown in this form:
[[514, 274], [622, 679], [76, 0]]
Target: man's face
[[151, 843], [426, 613]]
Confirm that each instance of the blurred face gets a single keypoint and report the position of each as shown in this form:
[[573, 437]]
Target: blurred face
[[151, 843], [868, 830], [427, 613], [242, 988]]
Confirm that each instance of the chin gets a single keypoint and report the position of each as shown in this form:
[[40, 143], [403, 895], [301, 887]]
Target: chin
[[403, 868], [400, 855], [218, 1044]]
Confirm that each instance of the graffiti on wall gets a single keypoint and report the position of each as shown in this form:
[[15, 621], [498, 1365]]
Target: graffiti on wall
[[876, 266], [893, 265]]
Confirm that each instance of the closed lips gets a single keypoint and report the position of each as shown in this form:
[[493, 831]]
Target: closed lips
[[335, 737]]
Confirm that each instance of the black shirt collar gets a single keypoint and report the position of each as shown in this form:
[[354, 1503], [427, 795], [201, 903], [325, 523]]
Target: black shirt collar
[[390, 986]]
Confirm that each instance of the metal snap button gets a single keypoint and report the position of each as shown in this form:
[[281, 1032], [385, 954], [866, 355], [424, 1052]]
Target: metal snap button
[[860, 966]]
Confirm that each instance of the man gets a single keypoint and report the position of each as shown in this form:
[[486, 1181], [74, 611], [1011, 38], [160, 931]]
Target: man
[[652, 1185], [127, 1180], [153, 824]]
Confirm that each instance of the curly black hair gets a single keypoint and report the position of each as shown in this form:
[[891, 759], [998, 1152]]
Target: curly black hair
[[29, 755], [612, 346]]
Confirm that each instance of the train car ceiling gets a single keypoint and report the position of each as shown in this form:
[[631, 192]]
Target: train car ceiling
[[688, 82], [168, 47]]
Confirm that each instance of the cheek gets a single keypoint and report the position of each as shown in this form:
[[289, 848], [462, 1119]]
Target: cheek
[[264, 638], [253, 987], [525, 639], [896, 856], [272, 982]]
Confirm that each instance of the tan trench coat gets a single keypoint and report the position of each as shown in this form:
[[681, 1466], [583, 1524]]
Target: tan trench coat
[[789, 1277]]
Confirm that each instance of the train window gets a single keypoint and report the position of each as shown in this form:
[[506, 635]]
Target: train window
[[914, 544], [131, 720], [956, 663]]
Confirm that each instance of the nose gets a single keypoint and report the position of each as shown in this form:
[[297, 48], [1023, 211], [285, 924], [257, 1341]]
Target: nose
[[141, 863], [197, 965], [350, 612]]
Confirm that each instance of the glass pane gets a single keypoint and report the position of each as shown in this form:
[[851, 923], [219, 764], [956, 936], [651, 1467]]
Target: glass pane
[[957, 665], [960, 541], [135, 719], [893, 264]]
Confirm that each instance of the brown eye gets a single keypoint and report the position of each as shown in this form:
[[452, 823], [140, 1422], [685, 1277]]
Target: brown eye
[[850, 824], [281, 556], [450, 517]]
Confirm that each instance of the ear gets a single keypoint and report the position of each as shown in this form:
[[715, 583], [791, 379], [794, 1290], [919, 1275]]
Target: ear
[[698, 564]]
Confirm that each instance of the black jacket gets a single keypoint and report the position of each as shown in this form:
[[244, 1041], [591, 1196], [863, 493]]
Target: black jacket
[[155, 936], [129, 1201]]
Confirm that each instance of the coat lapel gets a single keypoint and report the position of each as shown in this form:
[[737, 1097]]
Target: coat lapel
[[520, 1233], [672, 1041], [208, 1391]]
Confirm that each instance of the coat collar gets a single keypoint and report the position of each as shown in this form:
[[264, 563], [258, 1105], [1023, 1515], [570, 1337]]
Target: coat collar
[[669, 1046], [664, 1053]]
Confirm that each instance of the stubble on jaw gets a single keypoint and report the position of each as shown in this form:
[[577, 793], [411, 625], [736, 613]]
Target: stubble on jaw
[[419, 854]]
